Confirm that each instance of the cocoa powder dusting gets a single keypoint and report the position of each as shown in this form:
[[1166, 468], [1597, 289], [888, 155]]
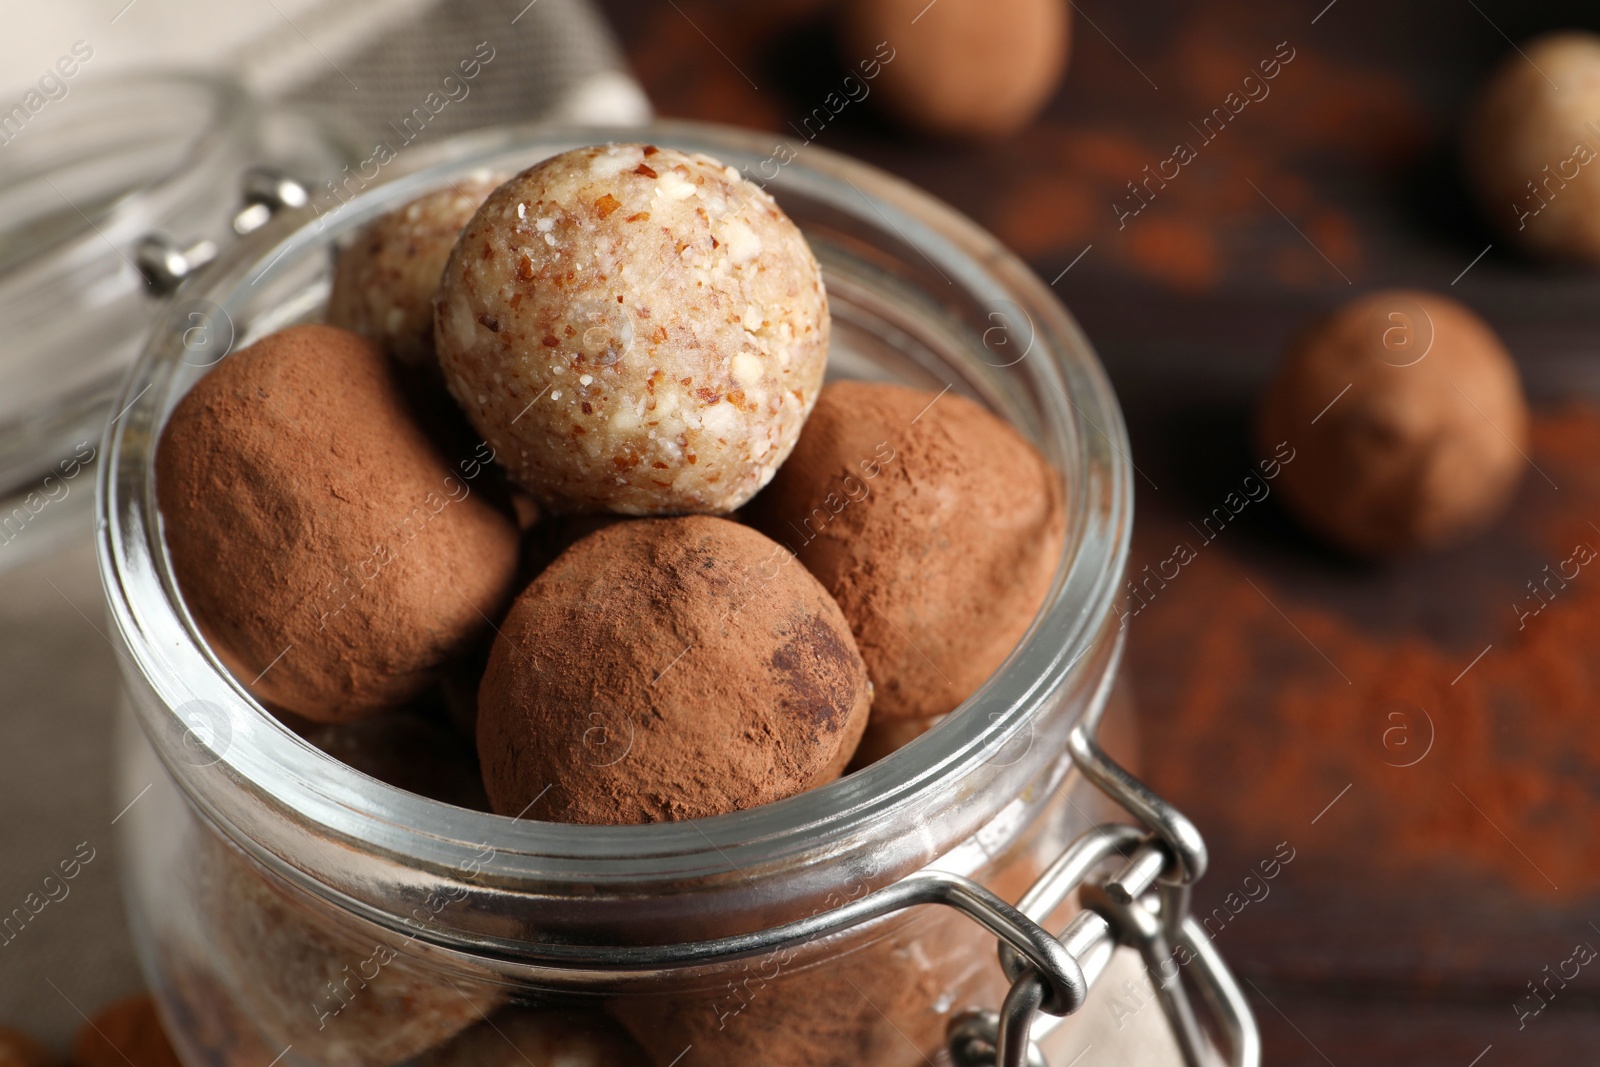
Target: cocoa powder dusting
[[668, 669], [334, 558], [935, 526]]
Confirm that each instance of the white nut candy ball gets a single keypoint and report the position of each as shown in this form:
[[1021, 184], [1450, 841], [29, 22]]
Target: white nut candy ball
[[384, 280], [634, 330]]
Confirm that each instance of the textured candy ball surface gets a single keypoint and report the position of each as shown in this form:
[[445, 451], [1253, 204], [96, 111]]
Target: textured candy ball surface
[[665, 669], [1532, 152], [634, 330], [935, 525], [17, 1049], [1400, 423], [384, 280], [969, 69], [334, 556]]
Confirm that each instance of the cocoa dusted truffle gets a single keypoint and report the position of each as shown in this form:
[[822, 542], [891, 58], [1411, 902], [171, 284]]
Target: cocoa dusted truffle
[[634, 330], [384, 280], [666, 669], [342, 995], [1532, 149], [517, 1037], [1406, 422], [886, 1001], [933, 523], [215, 1029], [333, 558], [973, 69]]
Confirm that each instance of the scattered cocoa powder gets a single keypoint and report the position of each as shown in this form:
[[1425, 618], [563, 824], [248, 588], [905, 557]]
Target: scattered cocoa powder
[[17, 1049], [1067, 189], [1182, 252], [1407, 422], [1050, 194], [936, 527], [1298, 712], [332, 556], [128, 1032], [668, 669]]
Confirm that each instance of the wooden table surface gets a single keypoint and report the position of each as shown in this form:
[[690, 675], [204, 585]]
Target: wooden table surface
[[1440, 804]]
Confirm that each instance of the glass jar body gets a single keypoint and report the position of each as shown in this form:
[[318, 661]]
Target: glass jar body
[[288, 905], [246, 964]]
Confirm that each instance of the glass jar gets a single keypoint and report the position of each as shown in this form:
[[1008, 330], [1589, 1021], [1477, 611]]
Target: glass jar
[[290, 909]]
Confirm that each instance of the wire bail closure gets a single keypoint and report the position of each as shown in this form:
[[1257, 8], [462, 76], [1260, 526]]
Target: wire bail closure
[[1143, 905]]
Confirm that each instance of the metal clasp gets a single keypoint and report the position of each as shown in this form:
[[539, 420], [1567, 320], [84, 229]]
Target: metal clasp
[[165, 263], [1143, 905]]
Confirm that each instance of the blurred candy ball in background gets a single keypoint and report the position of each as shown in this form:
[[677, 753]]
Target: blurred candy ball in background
[[1406, 421], [1532, 147], [970, 69]]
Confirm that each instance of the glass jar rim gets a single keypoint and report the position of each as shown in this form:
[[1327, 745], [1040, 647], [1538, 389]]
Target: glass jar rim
[[262, 758]]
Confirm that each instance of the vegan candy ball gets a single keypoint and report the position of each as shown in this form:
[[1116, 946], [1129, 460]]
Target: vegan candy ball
[[336, 561], [1533, 151], [666, 669], [384, 281], [971, 69], [343, 997], [1406, 420], [933, 523], [634, 330]]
